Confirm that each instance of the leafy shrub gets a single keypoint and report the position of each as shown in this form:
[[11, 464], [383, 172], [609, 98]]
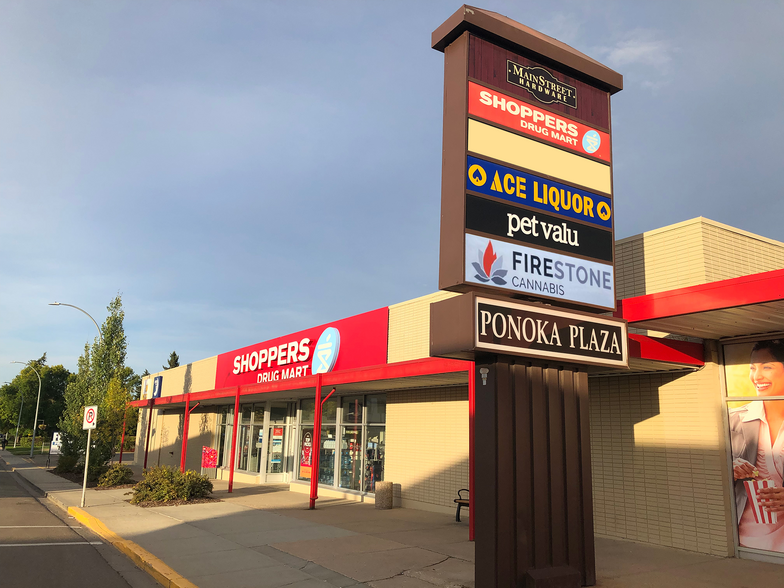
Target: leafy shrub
[[164, 484], [116, 475], [94, 473], [130, 443], [66, 463]]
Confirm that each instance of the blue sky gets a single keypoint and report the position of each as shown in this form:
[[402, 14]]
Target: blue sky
[[243, 170]]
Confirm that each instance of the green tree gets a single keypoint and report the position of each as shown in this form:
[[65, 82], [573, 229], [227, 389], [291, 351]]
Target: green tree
[[54, 380], [104, 380], [174, 361]]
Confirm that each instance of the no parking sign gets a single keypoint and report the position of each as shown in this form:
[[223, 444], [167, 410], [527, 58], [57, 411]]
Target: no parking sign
[[90, 417]]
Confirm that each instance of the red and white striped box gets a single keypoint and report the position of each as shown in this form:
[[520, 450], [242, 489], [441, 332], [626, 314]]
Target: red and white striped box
[[760, 514]]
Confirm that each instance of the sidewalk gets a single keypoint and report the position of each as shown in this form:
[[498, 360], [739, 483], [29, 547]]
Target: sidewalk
[[264, 537]]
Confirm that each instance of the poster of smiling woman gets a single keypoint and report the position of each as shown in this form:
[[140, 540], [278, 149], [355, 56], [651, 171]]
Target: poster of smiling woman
[[755, 373]]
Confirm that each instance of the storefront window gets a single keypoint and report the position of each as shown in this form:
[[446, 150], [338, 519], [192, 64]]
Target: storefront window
[[358, 443], [754, 375], [374, 458], [352, 409], [278, 413], [377, 408], [257, 443], [308, 410], [327, 456], [225, 422], [306, 452], [244, 440], [351, 458], [329, 411]]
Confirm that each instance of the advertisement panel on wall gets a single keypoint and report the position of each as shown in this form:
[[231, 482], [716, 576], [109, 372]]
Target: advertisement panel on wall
[[358, 341], [754, 376]]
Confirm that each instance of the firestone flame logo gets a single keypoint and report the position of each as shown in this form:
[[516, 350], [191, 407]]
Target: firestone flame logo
[[488, 266]]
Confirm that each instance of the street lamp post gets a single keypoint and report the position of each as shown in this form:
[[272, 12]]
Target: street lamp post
[[19, 420], [81, 310], [100, 335], [38, 402]]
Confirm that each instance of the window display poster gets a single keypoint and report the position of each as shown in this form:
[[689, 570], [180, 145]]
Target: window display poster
[[756, 370], [209, 457], [277, 445], [306, 457]]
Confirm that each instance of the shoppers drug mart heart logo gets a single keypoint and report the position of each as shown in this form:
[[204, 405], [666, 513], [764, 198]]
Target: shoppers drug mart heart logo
[[326, 353], [591, 141]]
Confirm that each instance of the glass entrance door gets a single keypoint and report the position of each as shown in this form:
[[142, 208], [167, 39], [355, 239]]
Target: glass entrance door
[[278, 466]]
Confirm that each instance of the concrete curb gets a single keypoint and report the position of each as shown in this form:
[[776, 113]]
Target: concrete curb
[[29, 486], [143, 559]]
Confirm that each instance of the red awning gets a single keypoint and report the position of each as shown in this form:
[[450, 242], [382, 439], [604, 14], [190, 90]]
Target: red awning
[[748, 305]]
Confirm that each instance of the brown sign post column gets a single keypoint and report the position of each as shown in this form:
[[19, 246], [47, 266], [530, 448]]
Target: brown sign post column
[[527, 235]]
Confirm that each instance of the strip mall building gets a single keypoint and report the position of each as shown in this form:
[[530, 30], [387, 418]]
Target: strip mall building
[[697, 296]]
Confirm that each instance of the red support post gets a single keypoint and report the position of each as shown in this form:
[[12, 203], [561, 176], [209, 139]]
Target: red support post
[[314, 466], [234, 428], [185, 424], [471, 455], [149, 425], [317, 442], [122, 439]]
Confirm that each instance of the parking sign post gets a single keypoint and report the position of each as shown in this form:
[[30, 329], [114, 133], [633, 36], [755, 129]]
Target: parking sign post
[[90, 418]]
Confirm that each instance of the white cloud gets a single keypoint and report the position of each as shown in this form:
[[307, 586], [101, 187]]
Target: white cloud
[[642, 55], [563, 26]]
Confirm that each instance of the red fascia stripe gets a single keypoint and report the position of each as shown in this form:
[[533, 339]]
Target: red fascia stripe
[[669, 350], [403, 369], [742, 291]]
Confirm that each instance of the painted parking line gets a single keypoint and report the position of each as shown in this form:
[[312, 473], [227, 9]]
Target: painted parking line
[[37, 527], [50, 544]]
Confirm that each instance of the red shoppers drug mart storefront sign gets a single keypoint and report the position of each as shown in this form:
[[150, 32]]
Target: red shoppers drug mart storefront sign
[[358, 341]]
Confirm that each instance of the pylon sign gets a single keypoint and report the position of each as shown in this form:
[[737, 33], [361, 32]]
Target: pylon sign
[[527, 190], [90, 417]]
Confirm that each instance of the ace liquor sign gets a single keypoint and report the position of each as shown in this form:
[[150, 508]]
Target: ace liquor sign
[[527, 195]]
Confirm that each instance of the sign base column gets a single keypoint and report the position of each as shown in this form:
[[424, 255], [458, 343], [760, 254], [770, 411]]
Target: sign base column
[[534, 512]]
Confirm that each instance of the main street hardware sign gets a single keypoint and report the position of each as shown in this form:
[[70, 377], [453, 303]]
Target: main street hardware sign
[[527, 189]]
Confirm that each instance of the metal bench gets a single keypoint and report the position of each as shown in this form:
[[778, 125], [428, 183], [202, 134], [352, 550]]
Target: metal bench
[[460, 502]]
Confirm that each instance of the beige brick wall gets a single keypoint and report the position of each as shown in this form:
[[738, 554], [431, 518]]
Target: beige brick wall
[[193, 377], [664, 259], [657, 447], [166, 437], [409, 327], [659, 462], [427, 445], [731, 253], [689, 253]]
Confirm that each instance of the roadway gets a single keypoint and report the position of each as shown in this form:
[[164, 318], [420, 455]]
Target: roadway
[[42, 547]]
